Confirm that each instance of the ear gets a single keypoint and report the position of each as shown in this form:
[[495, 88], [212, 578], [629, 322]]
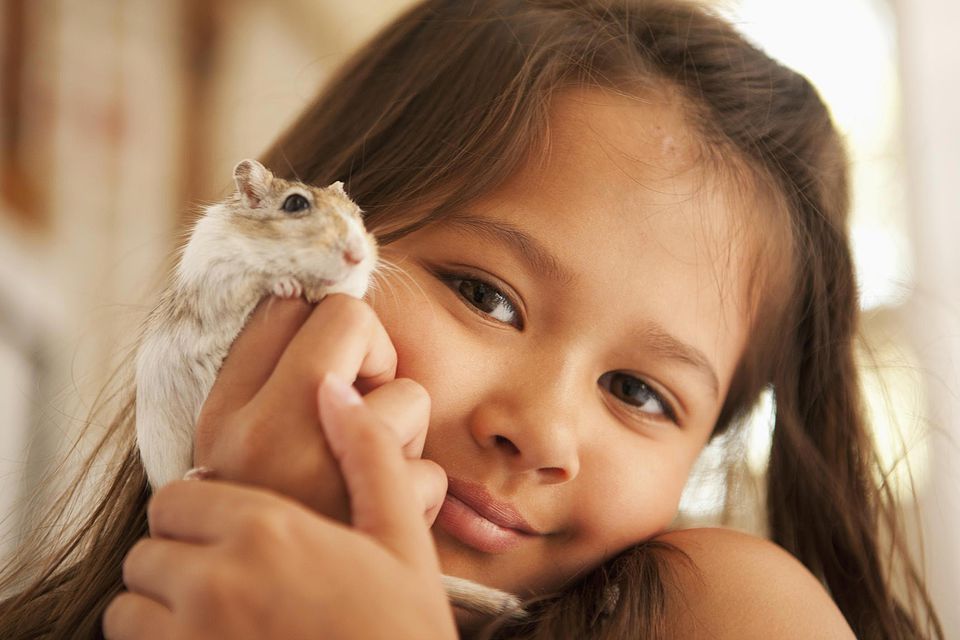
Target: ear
[[338, 187], [253, 182]]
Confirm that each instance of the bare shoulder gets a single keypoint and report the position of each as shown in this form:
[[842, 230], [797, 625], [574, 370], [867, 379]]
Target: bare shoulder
[[741, 586]]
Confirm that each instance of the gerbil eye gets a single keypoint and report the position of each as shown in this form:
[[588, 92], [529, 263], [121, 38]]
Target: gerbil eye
[[295, 202]]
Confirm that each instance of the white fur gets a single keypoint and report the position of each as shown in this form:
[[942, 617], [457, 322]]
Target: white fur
[[218, 281]]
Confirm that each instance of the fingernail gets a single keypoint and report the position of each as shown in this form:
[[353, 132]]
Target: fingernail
[[198, 473], [342, 393]]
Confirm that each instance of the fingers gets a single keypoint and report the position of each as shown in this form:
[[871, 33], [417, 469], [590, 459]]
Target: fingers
[[383, 499], [331, 341], [430, 484], [203, 512], [255, 353], [155, 567], [404, 406], [299, 342], [131, 616]]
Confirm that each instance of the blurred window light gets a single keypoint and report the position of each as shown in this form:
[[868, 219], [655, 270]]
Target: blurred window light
[[847, 49], [894, 394]]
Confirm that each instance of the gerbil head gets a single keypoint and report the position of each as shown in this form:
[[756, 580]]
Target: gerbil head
[[297, 227], [260, 192], [263, 197]]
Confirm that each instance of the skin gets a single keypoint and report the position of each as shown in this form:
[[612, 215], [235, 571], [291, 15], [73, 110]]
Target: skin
[[225, 560], [522, 401]]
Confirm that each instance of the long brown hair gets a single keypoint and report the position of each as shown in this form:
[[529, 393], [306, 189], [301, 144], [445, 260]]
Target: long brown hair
[[440, 108]]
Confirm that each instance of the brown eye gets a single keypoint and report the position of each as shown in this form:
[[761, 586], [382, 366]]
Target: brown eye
[[294, 203], [642, 398], [484, 298]]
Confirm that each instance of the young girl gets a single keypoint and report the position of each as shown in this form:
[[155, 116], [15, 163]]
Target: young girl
[[611, 225]]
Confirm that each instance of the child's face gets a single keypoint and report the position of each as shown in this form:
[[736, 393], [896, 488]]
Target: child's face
[[542, 404]]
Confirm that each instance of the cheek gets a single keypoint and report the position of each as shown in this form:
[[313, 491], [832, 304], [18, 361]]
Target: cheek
[[412, 323], [632, 491], [429, 350]]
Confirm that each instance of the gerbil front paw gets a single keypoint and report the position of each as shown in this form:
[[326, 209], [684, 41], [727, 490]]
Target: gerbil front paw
[[315, 294], [287, 288]]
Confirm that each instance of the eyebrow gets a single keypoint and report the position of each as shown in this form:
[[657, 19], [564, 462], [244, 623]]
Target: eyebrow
[[662, 343], [544, 263], [529, 249]]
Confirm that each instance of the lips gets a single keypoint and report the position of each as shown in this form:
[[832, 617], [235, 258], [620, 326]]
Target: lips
[[470, 514]]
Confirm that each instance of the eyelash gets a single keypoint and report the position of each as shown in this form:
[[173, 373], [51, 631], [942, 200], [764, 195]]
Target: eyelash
[[668, 412], [449, 278]]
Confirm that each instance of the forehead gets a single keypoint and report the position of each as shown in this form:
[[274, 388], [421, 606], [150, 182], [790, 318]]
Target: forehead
[[619, 175], [636, 159]]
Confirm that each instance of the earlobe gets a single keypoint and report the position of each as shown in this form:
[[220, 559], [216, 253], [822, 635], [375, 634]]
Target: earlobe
[[253, 182]]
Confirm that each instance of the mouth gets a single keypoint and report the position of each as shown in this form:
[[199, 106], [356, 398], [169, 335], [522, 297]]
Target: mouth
[[471, 515]]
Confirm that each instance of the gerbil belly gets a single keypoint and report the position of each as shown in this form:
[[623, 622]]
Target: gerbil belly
[[177, 364]]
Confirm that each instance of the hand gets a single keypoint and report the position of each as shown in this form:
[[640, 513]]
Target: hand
[[259, 424], [227, 561]]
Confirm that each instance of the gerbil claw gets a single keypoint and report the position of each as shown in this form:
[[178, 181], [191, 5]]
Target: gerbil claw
[[287, 288]]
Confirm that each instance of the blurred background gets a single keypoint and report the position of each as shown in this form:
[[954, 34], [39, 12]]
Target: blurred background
[[119, 117]]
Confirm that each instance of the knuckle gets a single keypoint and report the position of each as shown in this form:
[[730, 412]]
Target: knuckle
[[265, 528], [157, 507], [436, 470], [433, 477], [115, 614], [209, 590], [211, 424], [134, 557], [416, 391], [350, 309], [375, 438], [252, 442]]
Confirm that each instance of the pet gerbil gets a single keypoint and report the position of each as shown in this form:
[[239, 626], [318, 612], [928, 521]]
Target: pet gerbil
[[270, 236]]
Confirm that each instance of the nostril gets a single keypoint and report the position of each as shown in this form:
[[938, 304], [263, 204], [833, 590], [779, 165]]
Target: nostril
[[505, 443], [554, 474]]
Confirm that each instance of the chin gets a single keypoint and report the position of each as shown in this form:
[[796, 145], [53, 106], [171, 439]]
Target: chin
[[457, 559]]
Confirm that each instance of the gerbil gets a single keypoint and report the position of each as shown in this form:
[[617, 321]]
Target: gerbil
[[271, 236]]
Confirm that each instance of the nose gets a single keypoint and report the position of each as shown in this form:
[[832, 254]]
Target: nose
[[354, 253], [531, 430], [351, 258]]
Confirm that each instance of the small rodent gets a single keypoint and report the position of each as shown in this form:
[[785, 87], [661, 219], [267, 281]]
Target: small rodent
[[271, 236]]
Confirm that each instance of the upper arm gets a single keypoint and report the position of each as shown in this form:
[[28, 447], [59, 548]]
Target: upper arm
[[740, 586]]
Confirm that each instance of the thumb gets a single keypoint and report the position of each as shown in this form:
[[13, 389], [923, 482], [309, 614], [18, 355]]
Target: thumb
[[383, 500]]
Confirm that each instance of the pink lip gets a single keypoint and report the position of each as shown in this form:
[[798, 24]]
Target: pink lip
[[476, 496], [470, 514]]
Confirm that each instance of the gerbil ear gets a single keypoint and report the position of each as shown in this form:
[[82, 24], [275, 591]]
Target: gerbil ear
[[338, 187], [253, 182]]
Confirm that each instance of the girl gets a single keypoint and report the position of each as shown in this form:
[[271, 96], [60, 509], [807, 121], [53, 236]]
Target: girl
[[612, 224]]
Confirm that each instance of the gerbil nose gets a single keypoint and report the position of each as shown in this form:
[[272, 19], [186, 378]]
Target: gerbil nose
[[351, 258], [354, 253]]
